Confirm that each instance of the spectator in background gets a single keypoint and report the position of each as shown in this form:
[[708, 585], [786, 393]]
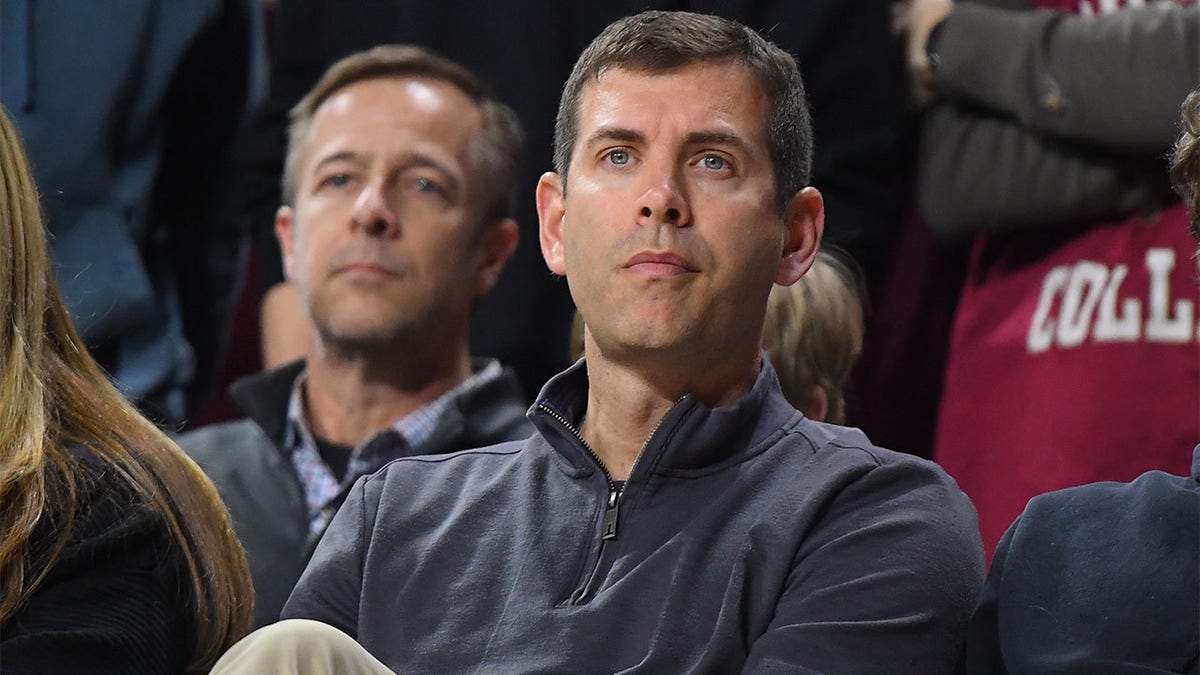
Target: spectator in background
[[129, 111], [524, 49], [116, 556], [1103, 578], [672, 512], [1073, 355], [814, 334], [400, 189]]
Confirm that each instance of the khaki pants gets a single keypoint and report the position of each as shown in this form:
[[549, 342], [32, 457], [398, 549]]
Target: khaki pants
[[298, 647]]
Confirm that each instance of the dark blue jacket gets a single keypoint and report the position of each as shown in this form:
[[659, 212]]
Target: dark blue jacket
[[127, 111], [747, 537], [1102, 578]]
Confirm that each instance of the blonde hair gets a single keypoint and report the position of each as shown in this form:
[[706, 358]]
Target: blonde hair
[[1185, 163], [814, 333], [54, 396]]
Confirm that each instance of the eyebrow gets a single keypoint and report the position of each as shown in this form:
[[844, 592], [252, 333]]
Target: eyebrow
[[343, 156], [624, 135], [620, 134], [407, 160], [717, 138]]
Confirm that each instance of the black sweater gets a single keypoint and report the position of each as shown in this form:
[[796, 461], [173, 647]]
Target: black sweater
[[115, 599]]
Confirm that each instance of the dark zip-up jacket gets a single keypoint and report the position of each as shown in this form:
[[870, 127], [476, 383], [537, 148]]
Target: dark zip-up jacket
[[747, 538], [1098, 578], [247, 461]]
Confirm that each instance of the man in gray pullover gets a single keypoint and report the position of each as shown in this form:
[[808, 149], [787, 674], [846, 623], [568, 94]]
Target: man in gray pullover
[[672, 513]]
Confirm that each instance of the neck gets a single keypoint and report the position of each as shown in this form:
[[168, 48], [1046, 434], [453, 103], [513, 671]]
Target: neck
[[351, 395], [626, 402]]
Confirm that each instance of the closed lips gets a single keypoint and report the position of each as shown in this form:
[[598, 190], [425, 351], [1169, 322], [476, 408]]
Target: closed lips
[[367, 267], [668, 259]]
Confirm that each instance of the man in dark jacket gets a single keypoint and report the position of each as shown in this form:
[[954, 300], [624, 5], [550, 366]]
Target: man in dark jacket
[[672, 513], [399, 192]]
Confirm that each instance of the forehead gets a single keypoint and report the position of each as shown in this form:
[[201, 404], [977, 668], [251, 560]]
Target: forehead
[[703, 96], [382, 114]]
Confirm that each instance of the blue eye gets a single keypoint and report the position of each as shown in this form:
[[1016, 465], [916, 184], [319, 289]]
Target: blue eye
[[618, 157], [425, 185], [339, 180], [714, 162]]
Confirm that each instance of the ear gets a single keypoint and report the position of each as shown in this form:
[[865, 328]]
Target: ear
[[285, 232], [818, 404], [551, 206], [496, 245], [804, 222]]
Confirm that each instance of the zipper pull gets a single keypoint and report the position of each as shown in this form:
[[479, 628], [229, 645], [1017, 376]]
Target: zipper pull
[[615, 489]]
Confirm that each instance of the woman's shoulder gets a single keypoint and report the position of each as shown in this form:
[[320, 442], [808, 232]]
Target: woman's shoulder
[[111, 510], [114, 597]]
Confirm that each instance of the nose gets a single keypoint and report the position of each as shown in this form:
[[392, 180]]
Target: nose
[[664, 203], [373, 214]]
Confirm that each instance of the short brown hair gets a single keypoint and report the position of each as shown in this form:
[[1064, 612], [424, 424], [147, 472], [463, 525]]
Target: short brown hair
[[814, 332], [496, 155], [1185, 164], [658, 41]]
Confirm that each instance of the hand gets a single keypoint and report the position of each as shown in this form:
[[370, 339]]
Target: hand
[[914, 20]]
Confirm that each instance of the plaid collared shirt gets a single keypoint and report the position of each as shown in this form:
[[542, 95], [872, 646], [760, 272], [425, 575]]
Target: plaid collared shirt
[[322, 489]]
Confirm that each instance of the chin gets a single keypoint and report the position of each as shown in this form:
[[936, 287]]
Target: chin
[[656, 334], [364, 335], [643, 346]]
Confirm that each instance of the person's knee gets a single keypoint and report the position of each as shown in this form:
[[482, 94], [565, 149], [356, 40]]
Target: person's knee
[[297, 634], [293, 645]]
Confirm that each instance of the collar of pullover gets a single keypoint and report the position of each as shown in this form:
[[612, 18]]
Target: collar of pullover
[[692, 437]]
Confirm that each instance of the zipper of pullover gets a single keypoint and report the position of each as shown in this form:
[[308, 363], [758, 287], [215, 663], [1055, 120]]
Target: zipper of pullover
[[616, 489]]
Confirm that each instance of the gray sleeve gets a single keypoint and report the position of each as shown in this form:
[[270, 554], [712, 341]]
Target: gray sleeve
[[885, 583], [330, 589], [1115, 80], [1052, 118], [983, 173]]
